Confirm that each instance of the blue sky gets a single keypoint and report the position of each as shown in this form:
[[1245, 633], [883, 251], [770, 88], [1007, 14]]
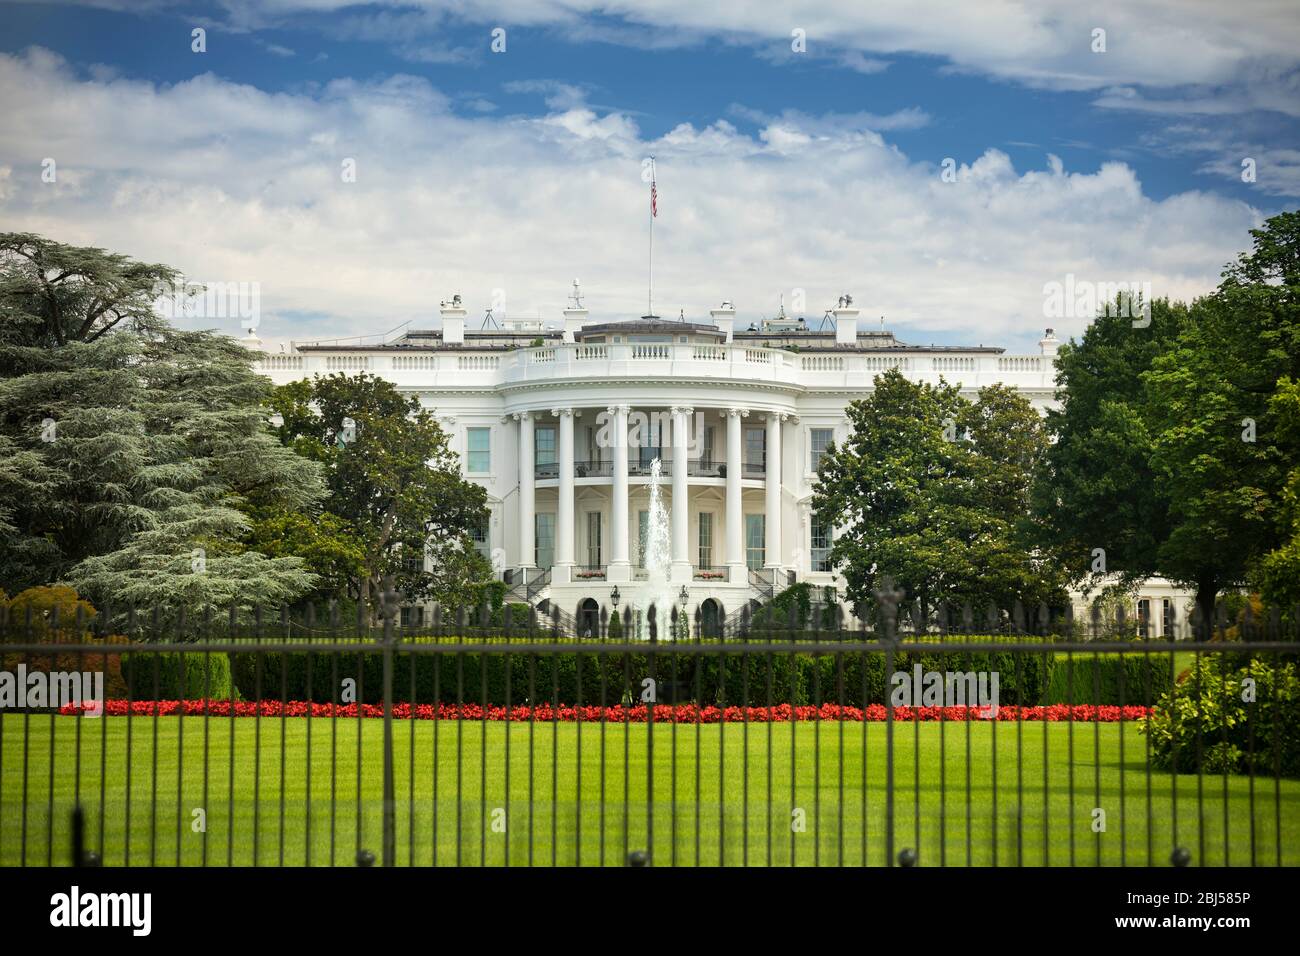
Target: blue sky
[[502, 175]]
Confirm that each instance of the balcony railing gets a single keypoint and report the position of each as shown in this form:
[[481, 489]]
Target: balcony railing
[[639, 468], [631, 360]]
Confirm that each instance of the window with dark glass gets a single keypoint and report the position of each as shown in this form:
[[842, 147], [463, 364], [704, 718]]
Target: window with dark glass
[[820, 545]]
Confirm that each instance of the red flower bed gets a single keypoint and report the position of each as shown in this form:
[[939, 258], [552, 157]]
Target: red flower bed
[[663, 713]]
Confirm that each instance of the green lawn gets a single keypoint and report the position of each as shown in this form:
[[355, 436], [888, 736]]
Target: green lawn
[[556, 812]]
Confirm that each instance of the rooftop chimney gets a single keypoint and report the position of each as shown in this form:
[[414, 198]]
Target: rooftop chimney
[[575, 316], [453, 321], [724, 317], [846, 321], [1049, 343]]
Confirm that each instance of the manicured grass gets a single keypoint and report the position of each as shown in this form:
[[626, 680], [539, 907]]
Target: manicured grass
[[960, 809]]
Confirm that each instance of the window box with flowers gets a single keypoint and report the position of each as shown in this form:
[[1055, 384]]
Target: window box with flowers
[[587, 574], [710, 575]]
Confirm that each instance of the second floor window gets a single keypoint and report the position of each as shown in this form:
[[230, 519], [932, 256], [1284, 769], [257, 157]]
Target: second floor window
[[755, 446], [544, 445], [819, 438], [478, 458]]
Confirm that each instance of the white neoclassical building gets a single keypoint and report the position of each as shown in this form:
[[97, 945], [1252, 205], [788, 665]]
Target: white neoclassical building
[[560, 425]]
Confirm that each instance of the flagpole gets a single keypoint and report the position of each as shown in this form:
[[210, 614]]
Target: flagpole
[[650, 291]]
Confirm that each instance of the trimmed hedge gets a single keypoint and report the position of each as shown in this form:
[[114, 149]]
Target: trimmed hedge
[[1110, 679], [172, 676], [854, 679]]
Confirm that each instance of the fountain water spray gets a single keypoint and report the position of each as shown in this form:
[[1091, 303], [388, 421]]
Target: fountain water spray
[[658, 561]]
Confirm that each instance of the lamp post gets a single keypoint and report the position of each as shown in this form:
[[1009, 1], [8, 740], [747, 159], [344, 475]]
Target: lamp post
[[614, 597], [684, 598]]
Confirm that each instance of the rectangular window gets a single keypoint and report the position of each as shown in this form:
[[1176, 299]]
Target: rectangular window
[[593, 446], [593, 540], [819, 438], [479, 535], [1144, 617], [1167, 625], [544, 540], [642, 536], [478, 457], [820, 545], [651, 446], [413, 616], [544, 445], [755, 448], [755, 540], [706, 539], [706, 447]]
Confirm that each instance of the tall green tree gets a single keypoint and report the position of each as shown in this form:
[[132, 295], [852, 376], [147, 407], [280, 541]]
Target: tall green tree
[[392, 478], [129, 446], [932, 490], [1172, 452], [1277, 573], [1223, 453], [1101, 510]]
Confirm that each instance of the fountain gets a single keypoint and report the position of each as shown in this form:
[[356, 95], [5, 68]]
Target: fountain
[[658, 562]]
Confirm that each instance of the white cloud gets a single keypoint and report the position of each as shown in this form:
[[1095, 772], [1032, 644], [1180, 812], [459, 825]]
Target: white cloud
[[231, 183], [1162, 43]]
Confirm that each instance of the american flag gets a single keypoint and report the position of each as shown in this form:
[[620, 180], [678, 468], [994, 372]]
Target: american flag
[[654, 198]]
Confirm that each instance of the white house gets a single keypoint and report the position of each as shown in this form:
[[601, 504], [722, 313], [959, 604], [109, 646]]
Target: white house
[[738, 413]]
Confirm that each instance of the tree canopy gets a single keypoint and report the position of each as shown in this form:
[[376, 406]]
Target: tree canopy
[[1174, 449], [392, 479], [128, 448], [932, 490]]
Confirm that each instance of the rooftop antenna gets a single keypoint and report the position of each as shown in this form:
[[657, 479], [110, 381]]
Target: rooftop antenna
[[681, 315], [489, 319], [575, 300], [781, 312], [882, 323]]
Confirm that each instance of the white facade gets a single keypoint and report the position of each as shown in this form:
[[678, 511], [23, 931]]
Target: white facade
[[736, 416]]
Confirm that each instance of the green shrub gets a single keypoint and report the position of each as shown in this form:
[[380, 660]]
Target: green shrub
[[172, 676], [1110, 678], [572, 676], [1215, 721]]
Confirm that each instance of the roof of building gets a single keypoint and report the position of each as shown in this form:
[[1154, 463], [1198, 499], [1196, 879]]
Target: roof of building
[[782, 336]]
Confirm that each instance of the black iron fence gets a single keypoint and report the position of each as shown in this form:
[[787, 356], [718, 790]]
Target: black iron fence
[[953, 736]]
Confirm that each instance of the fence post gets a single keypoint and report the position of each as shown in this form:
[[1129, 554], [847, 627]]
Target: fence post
[[888, 597], [388, 608]]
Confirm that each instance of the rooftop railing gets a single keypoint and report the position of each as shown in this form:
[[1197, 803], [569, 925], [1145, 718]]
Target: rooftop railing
[[736, 362]]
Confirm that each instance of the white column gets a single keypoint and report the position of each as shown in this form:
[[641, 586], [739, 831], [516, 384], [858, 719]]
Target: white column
[[773, 476], [564, 518], [620, 568], [681, 571], [527, 497], [736, 573]]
